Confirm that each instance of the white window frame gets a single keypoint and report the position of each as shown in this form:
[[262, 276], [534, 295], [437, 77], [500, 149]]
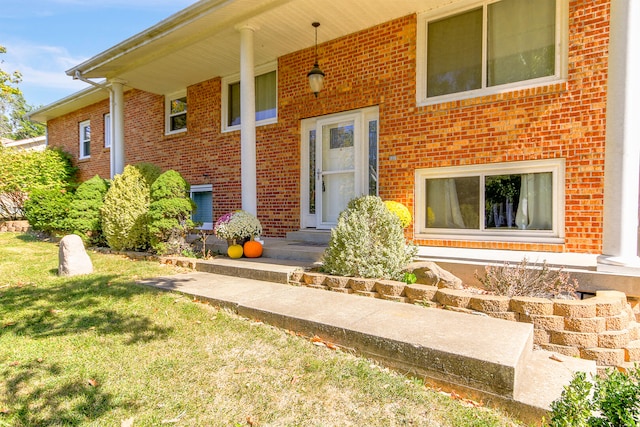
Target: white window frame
[[561, 54], [167, 108], [235, 78], [107, 130], [201, 188], [81, 127], [555, 235]]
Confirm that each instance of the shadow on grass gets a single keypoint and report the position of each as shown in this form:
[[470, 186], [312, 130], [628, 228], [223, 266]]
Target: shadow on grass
[[67, 403], [75, 305]]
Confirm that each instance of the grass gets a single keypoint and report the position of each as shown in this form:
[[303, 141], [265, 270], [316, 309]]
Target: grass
[[100, 350]]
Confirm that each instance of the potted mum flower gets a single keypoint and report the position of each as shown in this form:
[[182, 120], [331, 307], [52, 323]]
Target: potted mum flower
[[237, 226]]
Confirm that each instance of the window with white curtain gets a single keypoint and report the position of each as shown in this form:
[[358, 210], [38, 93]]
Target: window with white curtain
[[85, 139], [107, 130], [489, 47], [522, 200], [266, 98]]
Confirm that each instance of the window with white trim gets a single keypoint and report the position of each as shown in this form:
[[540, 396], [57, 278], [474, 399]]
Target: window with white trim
[[202, 196], [489, 47], [266, 98], [107, 130], [85, 139], [517, 201], [176, 112]]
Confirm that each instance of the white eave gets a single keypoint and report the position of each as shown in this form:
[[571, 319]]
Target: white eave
[[202, 41]]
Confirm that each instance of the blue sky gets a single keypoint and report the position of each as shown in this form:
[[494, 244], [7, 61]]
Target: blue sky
[[44, 38]]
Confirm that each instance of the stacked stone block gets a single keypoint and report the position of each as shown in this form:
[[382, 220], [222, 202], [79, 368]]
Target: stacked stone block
[[14, 226], [602, 328]]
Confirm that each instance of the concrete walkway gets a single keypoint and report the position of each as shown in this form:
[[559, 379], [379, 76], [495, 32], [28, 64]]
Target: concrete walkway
[[485, 359]]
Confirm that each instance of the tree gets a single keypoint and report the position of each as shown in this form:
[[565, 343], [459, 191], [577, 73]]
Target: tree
[[14, 110]]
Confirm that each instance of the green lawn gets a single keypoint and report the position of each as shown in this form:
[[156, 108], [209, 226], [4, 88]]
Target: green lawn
[[99, 350]]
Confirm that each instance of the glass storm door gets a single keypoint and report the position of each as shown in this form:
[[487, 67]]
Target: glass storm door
[[336, 170], [339, 162]]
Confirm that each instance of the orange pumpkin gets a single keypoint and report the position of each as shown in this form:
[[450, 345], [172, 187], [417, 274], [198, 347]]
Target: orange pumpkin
[[252, 249], [234, 251]]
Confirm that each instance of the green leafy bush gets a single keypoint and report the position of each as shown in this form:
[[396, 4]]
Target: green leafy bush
[[47, 210], [23, 172], [124, 212], [170, 213], [368, 242], [84, 215], [611, 400]]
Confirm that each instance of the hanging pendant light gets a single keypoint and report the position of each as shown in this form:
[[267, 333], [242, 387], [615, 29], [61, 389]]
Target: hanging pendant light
[[316, 76]]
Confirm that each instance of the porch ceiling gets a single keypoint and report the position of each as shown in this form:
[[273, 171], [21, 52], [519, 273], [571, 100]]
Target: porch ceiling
[[202, 42]]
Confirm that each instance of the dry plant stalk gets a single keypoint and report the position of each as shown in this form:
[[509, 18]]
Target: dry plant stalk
[[528, 280]]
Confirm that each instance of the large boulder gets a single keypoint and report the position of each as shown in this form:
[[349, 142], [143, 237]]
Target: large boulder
[[429, 273], [72, 257]]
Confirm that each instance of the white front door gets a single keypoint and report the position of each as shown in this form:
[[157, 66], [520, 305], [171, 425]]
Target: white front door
[[339, 163]]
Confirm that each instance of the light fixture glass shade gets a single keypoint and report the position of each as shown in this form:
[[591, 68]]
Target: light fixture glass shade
[[316, 79]]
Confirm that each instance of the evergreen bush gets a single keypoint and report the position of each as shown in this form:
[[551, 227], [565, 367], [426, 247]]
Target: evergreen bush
[[47, 210], [368, 242], [170, 213], [125, 208], [84, 215]]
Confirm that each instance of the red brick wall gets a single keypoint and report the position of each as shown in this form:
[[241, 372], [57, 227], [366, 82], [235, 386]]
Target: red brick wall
[[377, 67]]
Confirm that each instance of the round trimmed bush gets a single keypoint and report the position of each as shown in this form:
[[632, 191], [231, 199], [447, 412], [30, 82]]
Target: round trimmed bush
[[170, 213], [84, 215], [47, 210], [368, 242]]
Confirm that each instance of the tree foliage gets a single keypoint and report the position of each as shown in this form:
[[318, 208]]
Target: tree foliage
[[368, 242], [14, 110], [170, 213], [23, 172]]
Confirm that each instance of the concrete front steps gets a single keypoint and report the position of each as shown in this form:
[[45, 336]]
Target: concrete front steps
[[485, 359]]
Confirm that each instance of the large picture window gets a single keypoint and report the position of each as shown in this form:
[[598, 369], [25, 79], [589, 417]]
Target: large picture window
[[505, 200], [266, 98], [490, 47]]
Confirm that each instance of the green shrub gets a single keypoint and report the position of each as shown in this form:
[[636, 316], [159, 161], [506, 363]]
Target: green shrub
[[84, 214], [368, 242], [23, 172], [124, 212], [611, 400], [170, 213], [47, 210]]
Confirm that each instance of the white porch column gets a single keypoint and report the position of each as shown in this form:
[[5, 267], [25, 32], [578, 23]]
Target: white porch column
[[117, 126], [247, 120], [622, 152]]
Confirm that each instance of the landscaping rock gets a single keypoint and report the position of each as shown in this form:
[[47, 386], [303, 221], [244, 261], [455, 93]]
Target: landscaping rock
[[73, 259], [337, 282], [489, 303], [429, 273], [362, 285]]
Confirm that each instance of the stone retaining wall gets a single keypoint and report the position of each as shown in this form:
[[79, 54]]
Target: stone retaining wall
[[603, 328], [14, 226]]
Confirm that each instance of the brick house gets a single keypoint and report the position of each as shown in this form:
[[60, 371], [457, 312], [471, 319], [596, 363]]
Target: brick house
[[503, 125]]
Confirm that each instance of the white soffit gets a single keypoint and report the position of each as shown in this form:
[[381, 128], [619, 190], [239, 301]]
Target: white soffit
[[202, 41]]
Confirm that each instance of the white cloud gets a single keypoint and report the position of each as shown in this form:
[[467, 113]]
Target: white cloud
[[43, 70]]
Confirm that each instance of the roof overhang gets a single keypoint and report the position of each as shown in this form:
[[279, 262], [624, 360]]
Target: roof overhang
[[203, 42]]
